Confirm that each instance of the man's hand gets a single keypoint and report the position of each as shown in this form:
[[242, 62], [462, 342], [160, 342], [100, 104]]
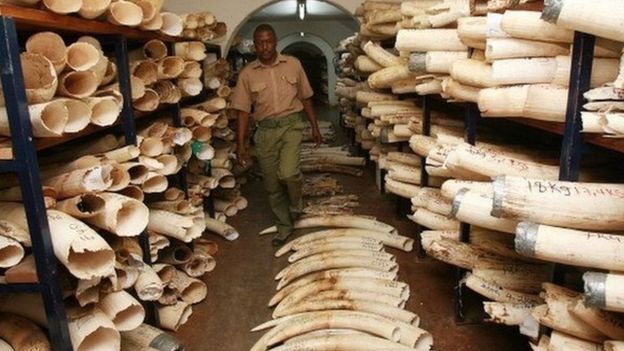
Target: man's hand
[[241, 156], [317, 137]]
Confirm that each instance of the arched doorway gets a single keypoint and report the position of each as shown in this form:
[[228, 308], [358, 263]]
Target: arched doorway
[[314, 64], [313, 45], [345, 7]]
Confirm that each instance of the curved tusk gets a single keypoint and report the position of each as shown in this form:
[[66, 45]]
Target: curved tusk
[[312, 321], [558, 203], [344, 294], [380, 286], [328, 254], [323, 262], [374, 307], [359, 341], [332, 244], [340, 221], [389, 239], [344, 272], [475, 208]]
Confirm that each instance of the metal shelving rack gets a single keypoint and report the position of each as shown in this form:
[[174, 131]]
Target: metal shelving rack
[[571, 147], [24, 162]]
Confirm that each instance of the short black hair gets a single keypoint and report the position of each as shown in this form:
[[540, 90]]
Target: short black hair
[[264, 27]]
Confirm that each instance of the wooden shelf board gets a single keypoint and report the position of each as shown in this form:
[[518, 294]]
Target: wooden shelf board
[[34, 19], [615, 144]]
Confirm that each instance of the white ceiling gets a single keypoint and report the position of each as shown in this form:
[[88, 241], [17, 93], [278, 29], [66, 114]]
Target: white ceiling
[[287, 10]]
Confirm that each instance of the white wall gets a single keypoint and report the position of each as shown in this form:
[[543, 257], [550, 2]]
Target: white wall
[[235, 12], [331, 31]]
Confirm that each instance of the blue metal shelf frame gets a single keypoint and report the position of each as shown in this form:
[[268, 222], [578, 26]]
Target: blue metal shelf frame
[[26, 166], [572, 143], [424, 176], [471, 121]]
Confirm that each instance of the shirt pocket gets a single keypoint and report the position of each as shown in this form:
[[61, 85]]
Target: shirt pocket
[[291, 89], [259, 93]]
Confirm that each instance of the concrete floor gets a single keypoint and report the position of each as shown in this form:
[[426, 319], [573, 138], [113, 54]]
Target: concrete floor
[[242, 283]]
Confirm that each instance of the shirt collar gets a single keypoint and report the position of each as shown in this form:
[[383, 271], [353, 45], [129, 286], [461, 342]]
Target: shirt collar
[[280, 58]]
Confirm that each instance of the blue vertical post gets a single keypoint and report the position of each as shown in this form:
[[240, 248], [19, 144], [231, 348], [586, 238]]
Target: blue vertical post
[[123, 75], [424, 176], [129, 129], [426, 131], [471, 117], [580, 75], [28, 172], [572, 144], [177, 122]]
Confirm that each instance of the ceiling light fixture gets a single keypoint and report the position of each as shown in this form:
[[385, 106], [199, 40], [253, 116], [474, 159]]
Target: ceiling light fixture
[[301, 9], [302, 34]]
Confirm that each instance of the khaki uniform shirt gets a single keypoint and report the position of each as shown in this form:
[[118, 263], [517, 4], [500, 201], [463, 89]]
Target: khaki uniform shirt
[[275, 91]]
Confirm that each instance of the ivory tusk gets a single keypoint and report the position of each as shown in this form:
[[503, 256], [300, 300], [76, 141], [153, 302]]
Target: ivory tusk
[[379, 286], [507, 313], [567, 246], [148, 286], [339, 221], [50, 45], [92, 330], [174, 316], [564, 342], [496, 293], [556, 314], [475, 208], [602, 290], [608, 323], [423, 40], [123, 310], [82, 206], [327, 274], [388, 239], [370, 245], [377, 308], [22, 334], [328, 255], [297, 270], [122, 215], [221, 228], [147, 337], [362, 342], [333, 319], [76, 245], [559, 203]]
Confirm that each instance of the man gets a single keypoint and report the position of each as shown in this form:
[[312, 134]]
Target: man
[[278, 89]]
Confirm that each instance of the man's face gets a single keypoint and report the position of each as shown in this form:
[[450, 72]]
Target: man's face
[[265, 44]]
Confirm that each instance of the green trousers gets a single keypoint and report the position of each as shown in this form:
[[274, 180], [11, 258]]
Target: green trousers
[[278, 148]]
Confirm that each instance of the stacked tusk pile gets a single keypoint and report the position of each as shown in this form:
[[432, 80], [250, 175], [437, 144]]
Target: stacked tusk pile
[[605, 106], [158, 78], [62, 85], [146, 15], [96, 213], [202, 26], [513, 61], [342, 279]]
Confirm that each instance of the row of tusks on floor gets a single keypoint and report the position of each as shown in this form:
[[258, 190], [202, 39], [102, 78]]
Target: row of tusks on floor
[[334, 159], [340, 291]]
